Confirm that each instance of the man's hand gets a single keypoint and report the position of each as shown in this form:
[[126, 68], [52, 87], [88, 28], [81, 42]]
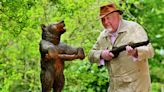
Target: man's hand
[[107, 55], [131, 51]]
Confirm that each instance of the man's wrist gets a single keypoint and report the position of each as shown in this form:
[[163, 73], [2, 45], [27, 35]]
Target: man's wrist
[[135, 53]]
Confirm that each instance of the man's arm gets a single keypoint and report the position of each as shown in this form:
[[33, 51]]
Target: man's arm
[[144, 52], [95, 52]]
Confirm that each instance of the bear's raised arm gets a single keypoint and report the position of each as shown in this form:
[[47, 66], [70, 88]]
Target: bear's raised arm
[[68, 50]]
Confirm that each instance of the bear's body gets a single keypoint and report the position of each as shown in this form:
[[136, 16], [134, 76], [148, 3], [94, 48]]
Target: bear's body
[[53, 54]]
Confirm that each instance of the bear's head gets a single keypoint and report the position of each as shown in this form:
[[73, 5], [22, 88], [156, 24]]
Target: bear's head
[[53, 32]]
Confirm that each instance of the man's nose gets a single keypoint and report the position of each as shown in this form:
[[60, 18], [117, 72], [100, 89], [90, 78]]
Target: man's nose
[[106, 20]]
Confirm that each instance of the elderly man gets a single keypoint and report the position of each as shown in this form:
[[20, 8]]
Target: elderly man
[[129, 72]]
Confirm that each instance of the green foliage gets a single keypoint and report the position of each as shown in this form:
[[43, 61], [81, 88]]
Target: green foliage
[[20, 34], [86, 77]]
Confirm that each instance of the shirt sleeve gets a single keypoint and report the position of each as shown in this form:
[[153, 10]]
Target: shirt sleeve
[[95, 52]]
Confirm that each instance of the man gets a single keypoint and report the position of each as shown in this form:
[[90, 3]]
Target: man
[[129, 72]]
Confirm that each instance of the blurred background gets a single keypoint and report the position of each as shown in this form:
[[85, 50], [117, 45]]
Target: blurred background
[[20, 34]]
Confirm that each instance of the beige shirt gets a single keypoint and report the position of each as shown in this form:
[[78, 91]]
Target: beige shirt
[[125, 74]]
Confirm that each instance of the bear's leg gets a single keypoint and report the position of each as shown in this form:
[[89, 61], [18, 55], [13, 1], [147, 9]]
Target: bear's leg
[[58, 83], [46, 80]]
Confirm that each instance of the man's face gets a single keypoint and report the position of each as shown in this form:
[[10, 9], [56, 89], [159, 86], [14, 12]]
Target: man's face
[[111, 21]]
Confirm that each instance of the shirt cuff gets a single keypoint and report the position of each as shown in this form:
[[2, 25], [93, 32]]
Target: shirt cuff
[[102, 62]]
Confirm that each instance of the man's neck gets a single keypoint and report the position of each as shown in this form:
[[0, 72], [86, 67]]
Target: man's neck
[[116, 31]]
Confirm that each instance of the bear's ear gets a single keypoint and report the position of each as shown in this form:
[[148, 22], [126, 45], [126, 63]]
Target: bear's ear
[[43, 27]]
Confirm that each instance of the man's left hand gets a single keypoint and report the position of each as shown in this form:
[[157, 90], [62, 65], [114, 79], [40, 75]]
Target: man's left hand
[[131, 51]]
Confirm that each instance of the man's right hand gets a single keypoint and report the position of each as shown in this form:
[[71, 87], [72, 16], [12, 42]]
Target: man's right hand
[[106, 55]]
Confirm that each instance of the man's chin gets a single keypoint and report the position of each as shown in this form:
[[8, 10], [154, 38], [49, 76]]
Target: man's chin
[[109, 29]]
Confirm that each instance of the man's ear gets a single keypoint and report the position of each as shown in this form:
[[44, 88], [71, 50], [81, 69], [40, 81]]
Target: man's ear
[[43, 27]]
